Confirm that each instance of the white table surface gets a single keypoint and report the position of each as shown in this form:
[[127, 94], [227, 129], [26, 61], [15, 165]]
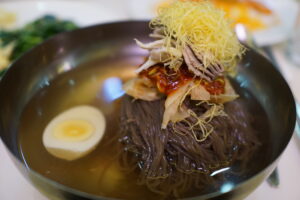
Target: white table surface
[[14, 187]]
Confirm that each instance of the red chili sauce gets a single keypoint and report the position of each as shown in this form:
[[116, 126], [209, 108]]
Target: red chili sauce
[[168, 80]]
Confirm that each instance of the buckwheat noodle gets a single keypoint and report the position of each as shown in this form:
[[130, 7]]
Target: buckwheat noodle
[[170, 161]]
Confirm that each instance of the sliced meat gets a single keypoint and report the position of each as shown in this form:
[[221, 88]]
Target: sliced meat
[[216, 69], [196, 66]]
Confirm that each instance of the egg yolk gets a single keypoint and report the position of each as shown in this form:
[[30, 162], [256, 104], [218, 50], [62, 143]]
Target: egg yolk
[[73, 130]]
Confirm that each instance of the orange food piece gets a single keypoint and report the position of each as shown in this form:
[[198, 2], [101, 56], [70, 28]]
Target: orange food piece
[[215, 87], [247, 12]]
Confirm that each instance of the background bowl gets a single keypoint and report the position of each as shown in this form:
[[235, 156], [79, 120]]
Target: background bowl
[[78, 48]]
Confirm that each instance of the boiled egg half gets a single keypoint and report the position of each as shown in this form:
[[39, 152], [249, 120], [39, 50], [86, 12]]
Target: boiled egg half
[[74, 133]]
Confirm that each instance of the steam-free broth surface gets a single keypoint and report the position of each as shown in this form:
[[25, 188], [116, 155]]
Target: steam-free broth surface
[[99, 172]]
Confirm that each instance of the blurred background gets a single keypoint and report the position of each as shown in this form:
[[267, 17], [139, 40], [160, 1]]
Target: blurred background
[[271, 26]]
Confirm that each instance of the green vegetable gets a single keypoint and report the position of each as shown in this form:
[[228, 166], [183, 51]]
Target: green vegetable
[[2, 72], [34, 33]]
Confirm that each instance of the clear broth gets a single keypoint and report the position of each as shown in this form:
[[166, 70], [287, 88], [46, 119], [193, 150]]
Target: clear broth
[[99, 172]]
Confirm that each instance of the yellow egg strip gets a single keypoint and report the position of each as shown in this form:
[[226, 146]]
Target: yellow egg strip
[[204, 28]]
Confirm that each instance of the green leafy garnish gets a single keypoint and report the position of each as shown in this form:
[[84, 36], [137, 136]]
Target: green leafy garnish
[[33, 34]]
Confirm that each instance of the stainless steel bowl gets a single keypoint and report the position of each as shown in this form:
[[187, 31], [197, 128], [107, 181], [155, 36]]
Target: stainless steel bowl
[[39, 66]]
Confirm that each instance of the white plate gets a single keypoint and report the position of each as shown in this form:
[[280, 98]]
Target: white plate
[[285, 11]]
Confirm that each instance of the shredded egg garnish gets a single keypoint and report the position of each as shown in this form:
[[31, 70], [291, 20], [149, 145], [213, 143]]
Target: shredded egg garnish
[[204, 28], [74, 133]]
